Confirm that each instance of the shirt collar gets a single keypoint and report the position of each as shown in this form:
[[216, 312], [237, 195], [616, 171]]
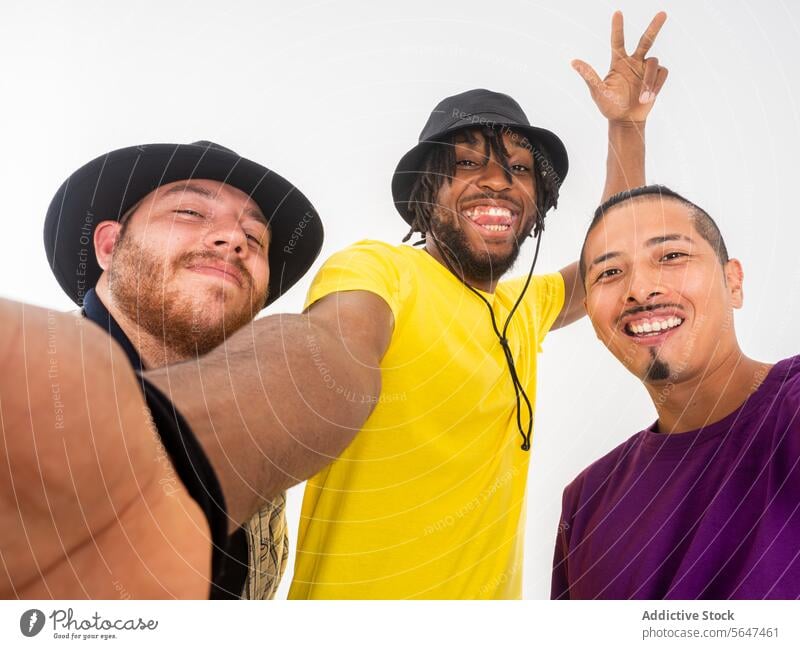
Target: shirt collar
[[96, 311]]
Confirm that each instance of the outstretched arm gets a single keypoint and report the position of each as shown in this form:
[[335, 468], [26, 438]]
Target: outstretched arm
[[89, 503], [625, 97], [284, 396]]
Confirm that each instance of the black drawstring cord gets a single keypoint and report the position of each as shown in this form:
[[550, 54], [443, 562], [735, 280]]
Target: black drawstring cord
[[518, 388]]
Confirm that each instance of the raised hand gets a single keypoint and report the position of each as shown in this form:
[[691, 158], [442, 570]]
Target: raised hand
[[629, 89]]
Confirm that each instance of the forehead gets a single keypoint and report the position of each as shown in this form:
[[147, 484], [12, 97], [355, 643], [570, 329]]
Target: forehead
[[213, 191], [631, 225], [475, 137]]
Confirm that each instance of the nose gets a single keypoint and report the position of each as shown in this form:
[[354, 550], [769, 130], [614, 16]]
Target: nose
[[226, 235], [644, 286], [493, 177]]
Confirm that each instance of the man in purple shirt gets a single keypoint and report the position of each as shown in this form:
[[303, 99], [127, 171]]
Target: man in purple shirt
[[705, 503]]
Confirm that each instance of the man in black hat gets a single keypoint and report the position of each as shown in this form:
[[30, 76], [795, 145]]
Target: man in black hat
[[170, 249], [428, 499]]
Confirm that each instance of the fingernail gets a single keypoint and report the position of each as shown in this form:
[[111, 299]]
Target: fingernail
[[646, 97]]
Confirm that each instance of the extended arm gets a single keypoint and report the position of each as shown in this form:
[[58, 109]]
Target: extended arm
[[89, 503], [284, 396], [625, 97]]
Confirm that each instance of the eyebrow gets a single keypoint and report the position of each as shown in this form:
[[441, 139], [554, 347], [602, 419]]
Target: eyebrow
[[461, 140], [191, 188], [654, 241], [523, 144], [667, 237]]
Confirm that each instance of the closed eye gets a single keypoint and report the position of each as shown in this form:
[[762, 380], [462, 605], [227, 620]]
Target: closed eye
[[189, 213], [255, 240]]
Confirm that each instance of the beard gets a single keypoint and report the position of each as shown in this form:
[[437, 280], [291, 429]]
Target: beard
[[658, 370], [138, 283], [477, 265]]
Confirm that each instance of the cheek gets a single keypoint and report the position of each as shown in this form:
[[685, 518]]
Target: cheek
[[446, 201], [691, 286], [712, 321], [706, 296], [168, 242], [259, 271], [699, 282], [528, 195], [601, 307]]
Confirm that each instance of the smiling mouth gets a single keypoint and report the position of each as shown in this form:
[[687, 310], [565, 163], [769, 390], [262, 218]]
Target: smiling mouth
[[214, 271], [652, 326], [491, 218]]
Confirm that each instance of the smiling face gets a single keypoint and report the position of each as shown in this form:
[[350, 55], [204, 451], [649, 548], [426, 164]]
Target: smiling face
[[191, 263], [657, 293], [486, 210]]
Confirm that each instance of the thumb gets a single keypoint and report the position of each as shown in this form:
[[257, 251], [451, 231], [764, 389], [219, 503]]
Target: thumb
[[588, 74]]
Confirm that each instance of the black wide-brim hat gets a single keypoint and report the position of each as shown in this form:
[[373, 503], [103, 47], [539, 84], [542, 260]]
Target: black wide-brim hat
[[474, 109], [108, 186]]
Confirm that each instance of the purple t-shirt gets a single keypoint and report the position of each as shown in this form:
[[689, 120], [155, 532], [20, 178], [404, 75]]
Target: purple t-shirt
[[712, 513]]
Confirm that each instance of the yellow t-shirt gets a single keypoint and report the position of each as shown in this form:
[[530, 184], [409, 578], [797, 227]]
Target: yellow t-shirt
[[428, 499]]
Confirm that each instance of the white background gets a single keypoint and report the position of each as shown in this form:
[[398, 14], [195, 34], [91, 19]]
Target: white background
[[331, 94]]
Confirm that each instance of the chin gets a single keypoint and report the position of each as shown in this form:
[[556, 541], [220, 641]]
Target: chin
[[218, 316], [480, 246], [215, 292], [493, 264], [218, 302]]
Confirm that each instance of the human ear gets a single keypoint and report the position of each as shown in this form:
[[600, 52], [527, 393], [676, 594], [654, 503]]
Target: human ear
[[105, 238], [734, 277]]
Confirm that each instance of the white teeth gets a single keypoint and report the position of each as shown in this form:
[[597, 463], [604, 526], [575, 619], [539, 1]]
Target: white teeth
[[653, 328], [487, 210], [482, 211]]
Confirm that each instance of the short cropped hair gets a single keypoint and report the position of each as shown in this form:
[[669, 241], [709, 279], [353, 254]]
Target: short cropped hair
[[703, 223]]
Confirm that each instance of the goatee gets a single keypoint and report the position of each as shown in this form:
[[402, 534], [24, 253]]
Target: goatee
[[658, 370]]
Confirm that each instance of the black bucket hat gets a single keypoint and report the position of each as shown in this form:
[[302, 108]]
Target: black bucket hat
[[470, 109], [108, 186]]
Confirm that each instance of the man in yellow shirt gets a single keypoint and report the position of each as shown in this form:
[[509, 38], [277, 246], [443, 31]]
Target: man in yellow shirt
[[428, 499]]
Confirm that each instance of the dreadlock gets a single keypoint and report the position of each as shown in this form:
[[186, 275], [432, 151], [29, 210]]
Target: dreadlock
[[440, 165]]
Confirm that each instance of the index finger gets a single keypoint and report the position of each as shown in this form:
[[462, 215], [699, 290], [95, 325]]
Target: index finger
[[649, 36], [617, 35]]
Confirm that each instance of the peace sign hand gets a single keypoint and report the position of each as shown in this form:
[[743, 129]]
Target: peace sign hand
[[629, 89]]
